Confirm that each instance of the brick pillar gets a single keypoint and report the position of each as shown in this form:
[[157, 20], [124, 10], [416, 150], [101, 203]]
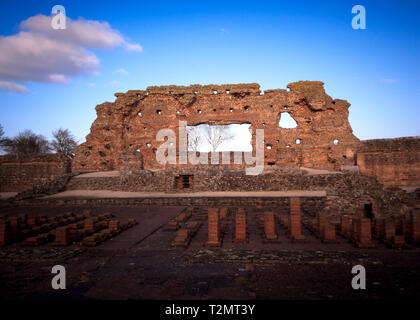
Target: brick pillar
[[295, 230], [408, 228], [346, 226], [114, 225], [62, 236], [4, 230], [415, 225], [389, 230], [362, 233], [322, 223], [240, 226], [379, 227], [269, 226], [355, 227], [223, 213], [14, 232], [213, 228], [87, 213], [89, 226], [328, 234]]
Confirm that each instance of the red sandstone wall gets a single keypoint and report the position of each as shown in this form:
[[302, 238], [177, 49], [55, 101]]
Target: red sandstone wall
[[132, 121], [20, 173], [394, 162]]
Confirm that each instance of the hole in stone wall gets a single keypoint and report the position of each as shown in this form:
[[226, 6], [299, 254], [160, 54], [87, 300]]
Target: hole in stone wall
[[138, 150], [231, 110], [298, 141], [271, 163], [269, 146], [214, 110], [177, 112], [102, 154], [232, 137], [199, 111], [148, 144], [368, 210], [195, 92], [277, 141], [159, 112], [246, 108], [139, 114], [214, 91], [335, 142], [87, 153], [287, 145], [285, 107], [227, 91], [107, 146], [90, 147], [286, 121]]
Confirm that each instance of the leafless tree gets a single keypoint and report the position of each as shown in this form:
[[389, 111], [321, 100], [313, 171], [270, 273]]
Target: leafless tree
[[194, 138], [27, 143], [64, 143], [216, 135]]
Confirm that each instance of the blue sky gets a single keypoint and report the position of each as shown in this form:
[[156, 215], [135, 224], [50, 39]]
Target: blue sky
[[271, 43]]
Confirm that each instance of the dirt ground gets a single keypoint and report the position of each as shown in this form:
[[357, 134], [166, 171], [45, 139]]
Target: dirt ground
[[141, 264]]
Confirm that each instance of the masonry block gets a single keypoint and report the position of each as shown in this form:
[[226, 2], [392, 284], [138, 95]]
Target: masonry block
[[269, 226], [224, 213], [214, 239], [240, 226], [346, 226], [295, 223]]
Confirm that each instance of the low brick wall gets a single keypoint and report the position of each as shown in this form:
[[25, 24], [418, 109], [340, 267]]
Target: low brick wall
[[20, 173], [393, 162]]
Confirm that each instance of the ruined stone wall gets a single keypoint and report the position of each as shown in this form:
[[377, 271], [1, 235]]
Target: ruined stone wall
[[124, 134], [351, 190], [20, 173], [394, 162]]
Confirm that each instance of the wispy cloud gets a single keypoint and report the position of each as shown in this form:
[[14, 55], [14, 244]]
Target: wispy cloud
[[388, 80], [121, 71], [39, 53], [92, 84], [133, 47], [12, 87]]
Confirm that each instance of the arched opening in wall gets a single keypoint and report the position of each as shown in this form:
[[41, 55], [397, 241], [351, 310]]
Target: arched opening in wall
[[335, 142], [208, 138], [286, 121]]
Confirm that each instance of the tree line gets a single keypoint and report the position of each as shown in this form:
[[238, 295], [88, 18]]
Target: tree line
[[28, 143]]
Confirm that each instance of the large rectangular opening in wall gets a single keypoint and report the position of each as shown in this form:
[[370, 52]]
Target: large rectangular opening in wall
[[212, 138], [184, 181]]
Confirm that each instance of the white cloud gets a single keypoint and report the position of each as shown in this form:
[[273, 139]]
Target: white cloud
[[92, 84], [388, 80], [10, 86], [121, 71], [39, 53], [133, 47]]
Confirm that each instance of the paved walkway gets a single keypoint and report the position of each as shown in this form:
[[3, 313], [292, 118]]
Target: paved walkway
[[223, 194]]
